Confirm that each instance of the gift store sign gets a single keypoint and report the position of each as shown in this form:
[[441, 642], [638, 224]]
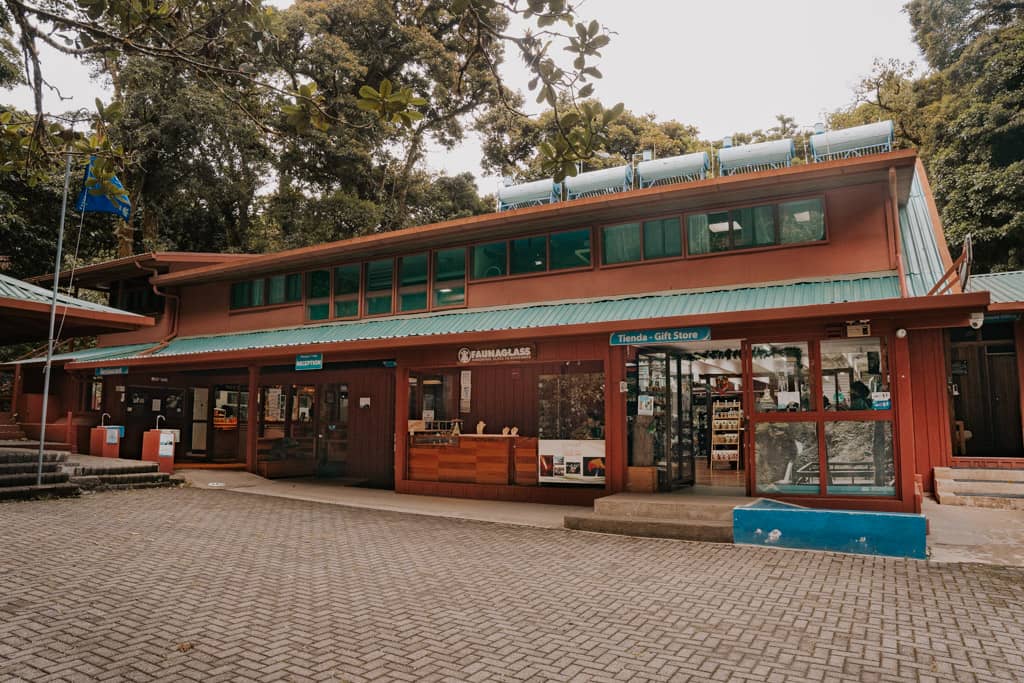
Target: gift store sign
[[468, 355]]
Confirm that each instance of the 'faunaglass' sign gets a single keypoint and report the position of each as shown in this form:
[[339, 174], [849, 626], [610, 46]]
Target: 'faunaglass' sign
[[498, 354]]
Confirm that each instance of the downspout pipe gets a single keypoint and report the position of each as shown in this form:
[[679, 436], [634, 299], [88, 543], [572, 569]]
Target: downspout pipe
[[175, 317], [895, 217]]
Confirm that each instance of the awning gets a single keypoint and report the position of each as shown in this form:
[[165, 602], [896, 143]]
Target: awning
[[1007, 289], [96, 353]]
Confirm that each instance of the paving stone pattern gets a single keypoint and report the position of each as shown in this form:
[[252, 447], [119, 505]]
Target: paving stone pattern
[[215, 586]]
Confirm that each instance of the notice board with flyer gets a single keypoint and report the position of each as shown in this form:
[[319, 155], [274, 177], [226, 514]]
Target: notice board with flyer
[[571, 461]]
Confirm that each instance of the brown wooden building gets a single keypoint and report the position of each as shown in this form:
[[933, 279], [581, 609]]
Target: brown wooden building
[[799, 332]]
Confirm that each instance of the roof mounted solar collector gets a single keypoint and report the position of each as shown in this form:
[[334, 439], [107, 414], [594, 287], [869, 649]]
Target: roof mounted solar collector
[[669, 170], [761, 156], [604, 181], [873, 138], [529, 194]]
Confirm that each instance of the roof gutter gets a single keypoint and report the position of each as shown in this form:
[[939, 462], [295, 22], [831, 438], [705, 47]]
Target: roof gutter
[[175, 316]]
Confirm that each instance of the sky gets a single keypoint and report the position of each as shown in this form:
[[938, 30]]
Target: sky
[[724, 66]]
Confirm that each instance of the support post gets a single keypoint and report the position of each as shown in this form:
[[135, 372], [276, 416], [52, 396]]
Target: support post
[[253, 422], [616, 443], [903, 433], [401, 423]]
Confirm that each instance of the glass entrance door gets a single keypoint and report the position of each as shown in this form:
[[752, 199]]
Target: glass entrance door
[[661, 429], [332, 430]]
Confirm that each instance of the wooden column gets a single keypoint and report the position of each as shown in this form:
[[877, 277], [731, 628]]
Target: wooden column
[[1018, 334], [401, 423], [616, 444], [16, 393], [252, 429], [904, 441]]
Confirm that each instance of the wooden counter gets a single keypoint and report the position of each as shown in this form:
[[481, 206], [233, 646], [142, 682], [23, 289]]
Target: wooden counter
[[476, 459]]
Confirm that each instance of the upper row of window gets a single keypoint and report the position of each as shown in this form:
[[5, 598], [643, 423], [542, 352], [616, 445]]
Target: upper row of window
[[437, 279]]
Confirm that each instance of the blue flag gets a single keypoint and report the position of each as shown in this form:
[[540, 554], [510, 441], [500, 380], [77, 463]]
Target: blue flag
[[118, 204]]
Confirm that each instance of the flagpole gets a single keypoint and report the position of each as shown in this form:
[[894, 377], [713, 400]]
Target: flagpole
[[53, 319]]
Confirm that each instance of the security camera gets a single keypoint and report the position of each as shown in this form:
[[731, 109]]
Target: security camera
[[977, 320]]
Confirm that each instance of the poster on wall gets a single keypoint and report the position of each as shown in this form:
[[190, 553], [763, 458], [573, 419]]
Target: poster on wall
[[166, 447], [565, 461], [645, 404]]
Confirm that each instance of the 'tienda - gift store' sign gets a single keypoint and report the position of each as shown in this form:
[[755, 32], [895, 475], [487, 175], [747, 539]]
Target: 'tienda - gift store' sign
[[495, 355], [664, 336]]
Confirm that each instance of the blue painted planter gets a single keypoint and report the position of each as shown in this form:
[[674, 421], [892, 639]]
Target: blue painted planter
[[783, 525]]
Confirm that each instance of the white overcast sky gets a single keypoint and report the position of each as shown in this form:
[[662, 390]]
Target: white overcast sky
[[724, 66]]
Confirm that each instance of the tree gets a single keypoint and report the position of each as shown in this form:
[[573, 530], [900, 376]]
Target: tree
[[964, 116], [223, 44]]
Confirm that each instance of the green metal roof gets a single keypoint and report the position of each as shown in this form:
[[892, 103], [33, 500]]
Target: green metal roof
[[11, 288], [626, 310], [95, 353], [921, 256], [1005, 288]]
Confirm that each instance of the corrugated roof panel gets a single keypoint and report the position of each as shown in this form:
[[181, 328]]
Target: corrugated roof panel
[[1005, 288], [921, 256], [95, 353], [11, 288], [626, 310]]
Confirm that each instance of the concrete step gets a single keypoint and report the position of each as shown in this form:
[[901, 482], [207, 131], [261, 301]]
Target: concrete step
[[996, 488], [22, 455], [87, 470], [29, 479], [28, 467], [33, 444], [976, 474], [714, 531], [107, 481], [11, 432], [672, 507], [63, 490]]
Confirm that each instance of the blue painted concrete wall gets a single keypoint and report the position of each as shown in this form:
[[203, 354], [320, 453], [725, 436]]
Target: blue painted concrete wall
[[782, 525]]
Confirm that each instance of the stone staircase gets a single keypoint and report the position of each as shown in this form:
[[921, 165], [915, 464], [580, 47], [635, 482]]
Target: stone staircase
[[12, 432], [983, 488], [683, 516], [18, 475], [106, 474]]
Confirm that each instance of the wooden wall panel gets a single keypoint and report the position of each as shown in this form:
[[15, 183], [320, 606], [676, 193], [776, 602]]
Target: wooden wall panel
[[931, 416]]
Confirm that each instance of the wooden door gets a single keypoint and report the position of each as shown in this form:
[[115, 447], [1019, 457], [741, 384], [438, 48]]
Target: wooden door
[[1004, 405], [370, 452]]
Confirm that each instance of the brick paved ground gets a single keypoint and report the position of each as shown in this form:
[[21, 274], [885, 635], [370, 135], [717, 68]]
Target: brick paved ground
[[115, 585]]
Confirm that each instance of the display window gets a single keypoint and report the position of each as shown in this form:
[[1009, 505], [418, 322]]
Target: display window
[[781, 377], [835, 441]]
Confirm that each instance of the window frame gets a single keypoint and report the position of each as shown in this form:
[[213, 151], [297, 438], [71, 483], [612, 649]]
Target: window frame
[[432, 280], [776, 202], [599, 230], [266, 305], [364, 303], [819, 416]]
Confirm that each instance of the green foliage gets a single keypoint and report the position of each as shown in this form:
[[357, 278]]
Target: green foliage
[[964, 116]]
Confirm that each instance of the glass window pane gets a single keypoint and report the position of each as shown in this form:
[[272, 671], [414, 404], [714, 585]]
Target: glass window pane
[[860, 460], [346, 279], [318, 311], [570, 249], [412, 270], [241, 293], [854, 374], [781, 378], [276, 289], [378, 305], [378, 275], [318, 284], [412, 301], [802, 221], [293, 287], [489, 260], [449, 264], [450, 296], [346, 308], [662, 238], [753, 227], [787, 457], [698, 237], [620, 243], [528, 255]]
